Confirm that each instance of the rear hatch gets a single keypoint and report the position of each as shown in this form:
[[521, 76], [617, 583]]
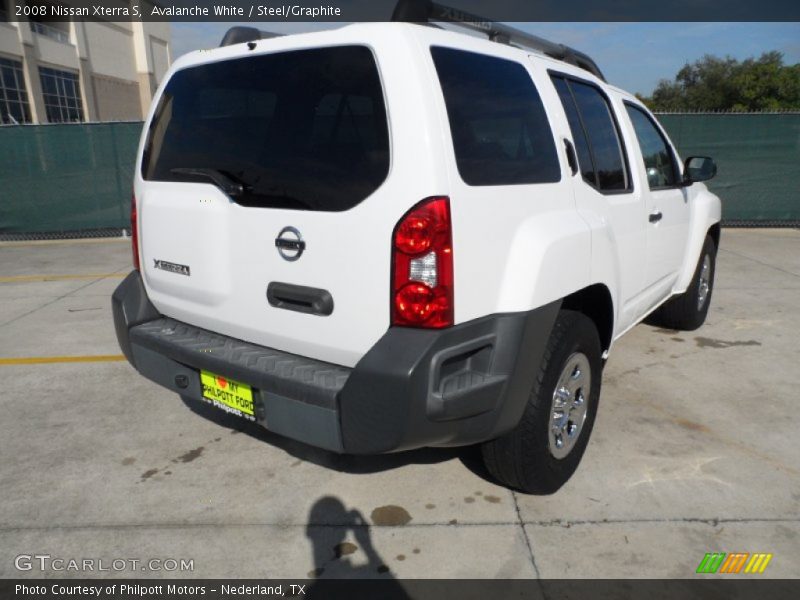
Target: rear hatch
[[264, 172]]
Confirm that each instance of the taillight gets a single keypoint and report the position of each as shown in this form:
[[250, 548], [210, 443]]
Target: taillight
[[422, 266], [134, 234]]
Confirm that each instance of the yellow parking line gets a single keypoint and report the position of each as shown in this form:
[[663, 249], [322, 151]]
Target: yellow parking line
[[43, 360], [30, 278]]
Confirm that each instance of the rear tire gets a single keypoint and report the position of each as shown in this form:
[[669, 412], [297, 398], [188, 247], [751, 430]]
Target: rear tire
[[542, 452], [688, 311]]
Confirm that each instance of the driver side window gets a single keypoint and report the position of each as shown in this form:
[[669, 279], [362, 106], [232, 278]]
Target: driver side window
[[659, 161]]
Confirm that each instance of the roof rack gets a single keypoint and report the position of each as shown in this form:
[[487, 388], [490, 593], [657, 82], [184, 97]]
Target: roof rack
[[240, 35], [425, 11]]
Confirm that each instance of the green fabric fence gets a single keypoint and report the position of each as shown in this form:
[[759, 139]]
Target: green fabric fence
[[758, 157], [66, 178], [56, 178]]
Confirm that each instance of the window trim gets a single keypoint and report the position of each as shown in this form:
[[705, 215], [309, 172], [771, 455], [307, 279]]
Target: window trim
[[630, 188], [438, 86], [667, 142]]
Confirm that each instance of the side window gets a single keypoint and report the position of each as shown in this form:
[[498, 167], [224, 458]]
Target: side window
[[659, 162], [591, 122], [501, 135], [578, 134]]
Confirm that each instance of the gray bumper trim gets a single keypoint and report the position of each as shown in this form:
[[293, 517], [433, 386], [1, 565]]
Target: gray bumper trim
[[302, 379], [297, 420], [451, 387]]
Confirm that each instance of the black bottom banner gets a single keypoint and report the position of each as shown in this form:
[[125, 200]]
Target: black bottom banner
[[391, 589]]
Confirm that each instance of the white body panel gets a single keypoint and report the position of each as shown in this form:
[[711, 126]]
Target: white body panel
[[231, 248], [515, 247]]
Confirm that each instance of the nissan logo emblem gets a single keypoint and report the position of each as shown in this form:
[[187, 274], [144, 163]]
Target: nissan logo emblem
[[290, 244]]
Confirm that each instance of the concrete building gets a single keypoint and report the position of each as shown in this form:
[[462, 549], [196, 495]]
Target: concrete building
[[56, 72]]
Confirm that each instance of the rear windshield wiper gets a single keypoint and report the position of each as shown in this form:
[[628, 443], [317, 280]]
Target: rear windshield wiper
[[226, 183], [282, 200]]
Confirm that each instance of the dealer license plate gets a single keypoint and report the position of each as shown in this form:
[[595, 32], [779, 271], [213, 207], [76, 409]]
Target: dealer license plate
[[231, 396]]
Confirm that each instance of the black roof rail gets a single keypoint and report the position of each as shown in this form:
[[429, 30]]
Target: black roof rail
[[424, 11], [240, 35]]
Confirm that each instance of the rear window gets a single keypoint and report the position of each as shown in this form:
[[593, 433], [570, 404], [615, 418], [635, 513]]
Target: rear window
[[500, 131], [304, 130]]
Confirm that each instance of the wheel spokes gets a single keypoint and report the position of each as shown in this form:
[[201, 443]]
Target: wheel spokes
[[568, 410]]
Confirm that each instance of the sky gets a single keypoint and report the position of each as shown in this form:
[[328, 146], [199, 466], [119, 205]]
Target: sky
[[633, 56]]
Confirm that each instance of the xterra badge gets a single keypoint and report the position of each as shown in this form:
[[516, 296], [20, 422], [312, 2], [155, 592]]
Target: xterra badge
[[172, 267]]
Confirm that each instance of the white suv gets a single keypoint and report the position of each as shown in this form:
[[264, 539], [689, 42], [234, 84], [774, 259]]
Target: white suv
[[391, 235]]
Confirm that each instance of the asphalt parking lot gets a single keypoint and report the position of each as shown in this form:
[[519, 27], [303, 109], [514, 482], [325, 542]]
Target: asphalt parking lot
[[695, 450]]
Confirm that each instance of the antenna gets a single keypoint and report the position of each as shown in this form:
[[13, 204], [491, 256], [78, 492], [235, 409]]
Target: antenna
[[425, 11]]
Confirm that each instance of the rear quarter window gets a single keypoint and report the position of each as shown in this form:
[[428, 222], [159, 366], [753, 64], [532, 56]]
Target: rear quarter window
[[500, 131], [305, 129], [591, 119]]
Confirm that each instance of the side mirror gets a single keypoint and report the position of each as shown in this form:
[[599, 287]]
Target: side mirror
[[698, 168]]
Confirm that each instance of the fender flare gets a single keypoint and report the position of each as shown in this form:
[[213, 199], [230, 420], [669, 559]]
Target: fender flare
[[706, 211]]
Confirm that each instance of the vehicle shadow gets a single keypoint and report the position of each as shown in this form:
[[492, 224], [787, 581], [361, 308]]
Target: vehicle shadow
[[345, 463]]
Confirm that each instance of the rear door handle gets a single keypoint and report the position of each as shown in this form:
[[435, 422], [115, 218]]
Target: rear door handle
[[655, 217], [300, 298]]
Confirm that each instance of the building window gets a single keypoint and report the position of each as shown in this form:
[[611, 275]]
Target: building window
[[62, 97], [13, 96], [55, 30], [53, 33]]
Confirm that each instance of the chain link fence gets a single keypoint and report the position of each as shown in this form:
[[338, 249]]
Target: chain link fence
[[75, 180], [67, 180], [758, 157]]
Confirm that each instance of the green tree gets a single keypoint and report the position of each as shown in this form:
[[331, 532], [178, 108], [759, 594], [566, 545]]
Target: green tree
[[713, 83]]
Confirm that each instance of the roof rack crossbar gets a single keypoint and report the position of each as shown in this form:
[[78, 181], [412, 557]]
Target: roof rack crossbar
[[240, 35], [424, 11]]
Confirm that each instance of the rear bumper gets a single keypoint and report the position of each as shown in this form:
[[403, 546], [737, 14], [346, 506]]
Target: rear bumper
[[414, 388]]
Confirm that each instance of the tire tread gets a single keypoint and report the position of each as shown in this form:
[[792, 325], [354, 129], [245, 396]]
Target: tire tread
[[505, 457]]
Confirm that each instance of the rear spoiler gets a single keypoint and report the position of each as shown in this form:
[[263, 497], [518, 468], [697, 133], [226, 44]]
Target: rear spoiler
[[240, 35]]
